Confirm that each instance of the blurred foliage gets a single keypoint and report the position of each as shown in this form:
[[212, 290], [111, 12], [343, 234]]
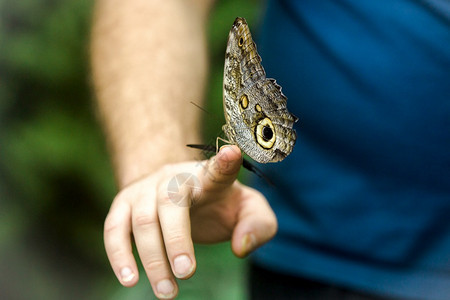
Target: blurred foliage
[[56, 182]]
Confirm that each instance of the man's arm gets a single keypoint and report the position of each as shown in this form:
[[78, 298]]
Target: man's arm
[[149, 61]]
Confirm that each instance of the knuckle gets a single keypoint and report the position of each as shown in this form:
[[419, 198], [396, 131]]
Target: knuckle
[[144, 221], [184, 195], [175, 239], [123, 194], [116, 256], [164, 197], [155, 266], [110, 225]]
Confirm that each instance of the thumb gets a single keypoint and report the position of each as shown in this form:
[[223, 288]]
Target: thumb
[[222, 170], [256, 224]]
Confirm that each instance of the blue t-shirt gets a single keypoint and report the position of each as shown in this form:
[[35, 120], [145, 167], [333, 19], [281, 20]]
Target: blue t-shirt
[[364, 199]]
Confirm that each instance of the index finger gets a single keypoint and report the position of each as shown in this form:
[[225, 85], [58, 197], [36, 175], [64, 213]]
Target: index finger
[[221, 170]]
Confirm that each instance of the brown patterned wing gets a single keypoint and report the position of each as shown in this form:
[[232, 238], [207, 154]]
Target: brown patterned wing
[[257, 119]]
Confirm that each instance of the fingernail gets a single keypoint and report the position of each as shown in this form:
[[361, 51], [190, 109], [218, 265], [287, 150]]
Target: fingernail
[[126, 274], [228, 147], [182, 266], [165, 289], [248, 243]]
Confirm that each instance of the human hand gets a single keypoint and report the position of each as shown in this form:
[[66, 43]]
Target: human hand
[[165, 220]]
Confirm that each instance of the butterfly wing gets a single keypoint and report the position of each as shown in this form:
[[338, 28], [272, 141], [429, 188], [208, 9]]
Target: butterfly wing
[[255, 110]]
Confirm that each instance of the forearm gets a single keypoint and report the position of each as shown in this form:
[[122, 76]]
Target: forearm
[[149, 61]]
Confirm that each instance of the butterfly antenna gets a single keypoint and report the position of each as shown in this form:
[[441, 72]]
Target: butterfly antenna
[[206, 148], [199, 107]]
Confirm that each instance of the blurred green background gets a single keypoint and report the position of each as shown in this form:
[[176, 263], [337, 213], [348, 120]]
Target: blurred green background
[[56, 183]]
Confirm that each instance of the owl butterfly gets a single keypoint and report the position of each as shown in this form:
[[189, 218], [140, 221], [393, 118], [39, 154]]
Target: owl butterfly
[[256, 116]]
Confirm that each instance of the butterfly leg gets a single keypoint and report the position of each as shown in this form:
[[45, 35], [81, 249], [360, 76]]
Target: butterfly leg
[[223, 140]]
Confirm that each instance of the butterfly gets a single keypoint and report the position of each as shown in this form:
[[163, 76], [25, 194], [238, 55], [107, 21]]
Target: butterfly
[[257, 119]]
